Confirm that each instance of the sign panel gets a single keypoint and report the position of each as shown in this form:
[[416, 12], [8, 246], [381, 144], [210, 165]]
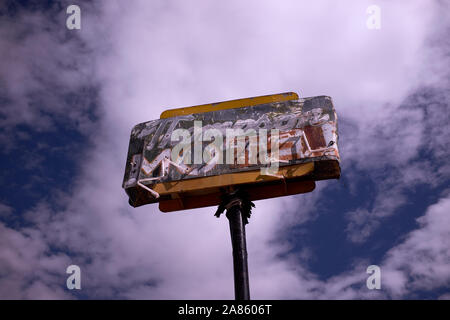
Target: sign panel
[[269, 146]]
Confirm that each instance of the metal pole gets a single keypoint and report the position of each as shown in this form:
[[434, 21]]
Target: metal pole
[[238, 209], [238, 242]]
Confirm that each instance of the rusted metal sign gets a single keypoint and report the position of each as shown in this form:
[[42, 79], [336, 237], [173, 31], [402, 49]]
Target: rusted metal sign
[[269, 146]]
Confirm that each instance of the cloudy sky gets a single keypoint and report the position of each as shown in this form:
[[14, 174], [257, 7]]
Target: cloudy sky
[[69, 98]]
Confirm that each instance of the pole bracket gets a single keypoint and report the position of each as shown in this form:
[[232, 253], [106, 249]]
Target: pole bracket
[[236, 198]]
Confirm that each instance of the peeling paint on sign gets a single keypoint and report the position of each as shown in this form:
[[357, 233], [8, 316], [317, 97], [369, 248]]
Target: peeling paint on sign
[[307, 133]]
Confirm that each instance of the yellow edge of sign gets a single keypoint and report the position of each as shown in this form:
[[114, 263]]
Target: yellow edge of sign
[[231, 104], [231, 179]]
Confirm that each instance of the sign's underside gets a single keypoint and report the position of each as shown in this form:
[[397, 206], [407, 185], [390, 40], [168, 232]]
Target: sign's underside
[[308, 151]]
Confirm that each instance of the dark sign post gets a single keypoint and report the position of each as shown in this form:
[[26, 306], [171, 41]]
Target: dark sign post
[[230, 154], [239, 209]]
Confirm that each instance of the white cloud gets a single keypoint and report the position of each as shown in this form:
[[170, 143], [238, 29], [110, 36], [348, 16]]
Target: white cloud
[[44, 76], [27, 269], [422, 260]]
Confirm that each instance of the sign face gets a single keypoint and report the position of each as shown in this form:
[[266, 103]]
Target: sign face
[[269, 146]]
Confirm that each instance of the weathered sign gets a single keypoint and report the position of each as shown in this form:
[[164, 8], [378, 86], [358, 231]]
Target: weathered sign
[[269, 146]]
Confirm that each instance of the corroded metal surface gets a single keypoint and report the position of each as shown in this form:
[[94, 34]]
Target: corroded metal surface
[[307, 133]]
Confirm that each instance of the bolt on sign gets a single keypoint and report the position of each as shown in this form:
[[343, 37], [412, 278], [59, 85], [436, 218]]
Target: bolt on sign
[[268, 146]]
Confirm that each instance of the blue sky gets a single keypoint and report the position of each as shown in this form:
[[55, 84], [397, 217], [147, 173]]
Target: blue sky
[[69, 99]]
